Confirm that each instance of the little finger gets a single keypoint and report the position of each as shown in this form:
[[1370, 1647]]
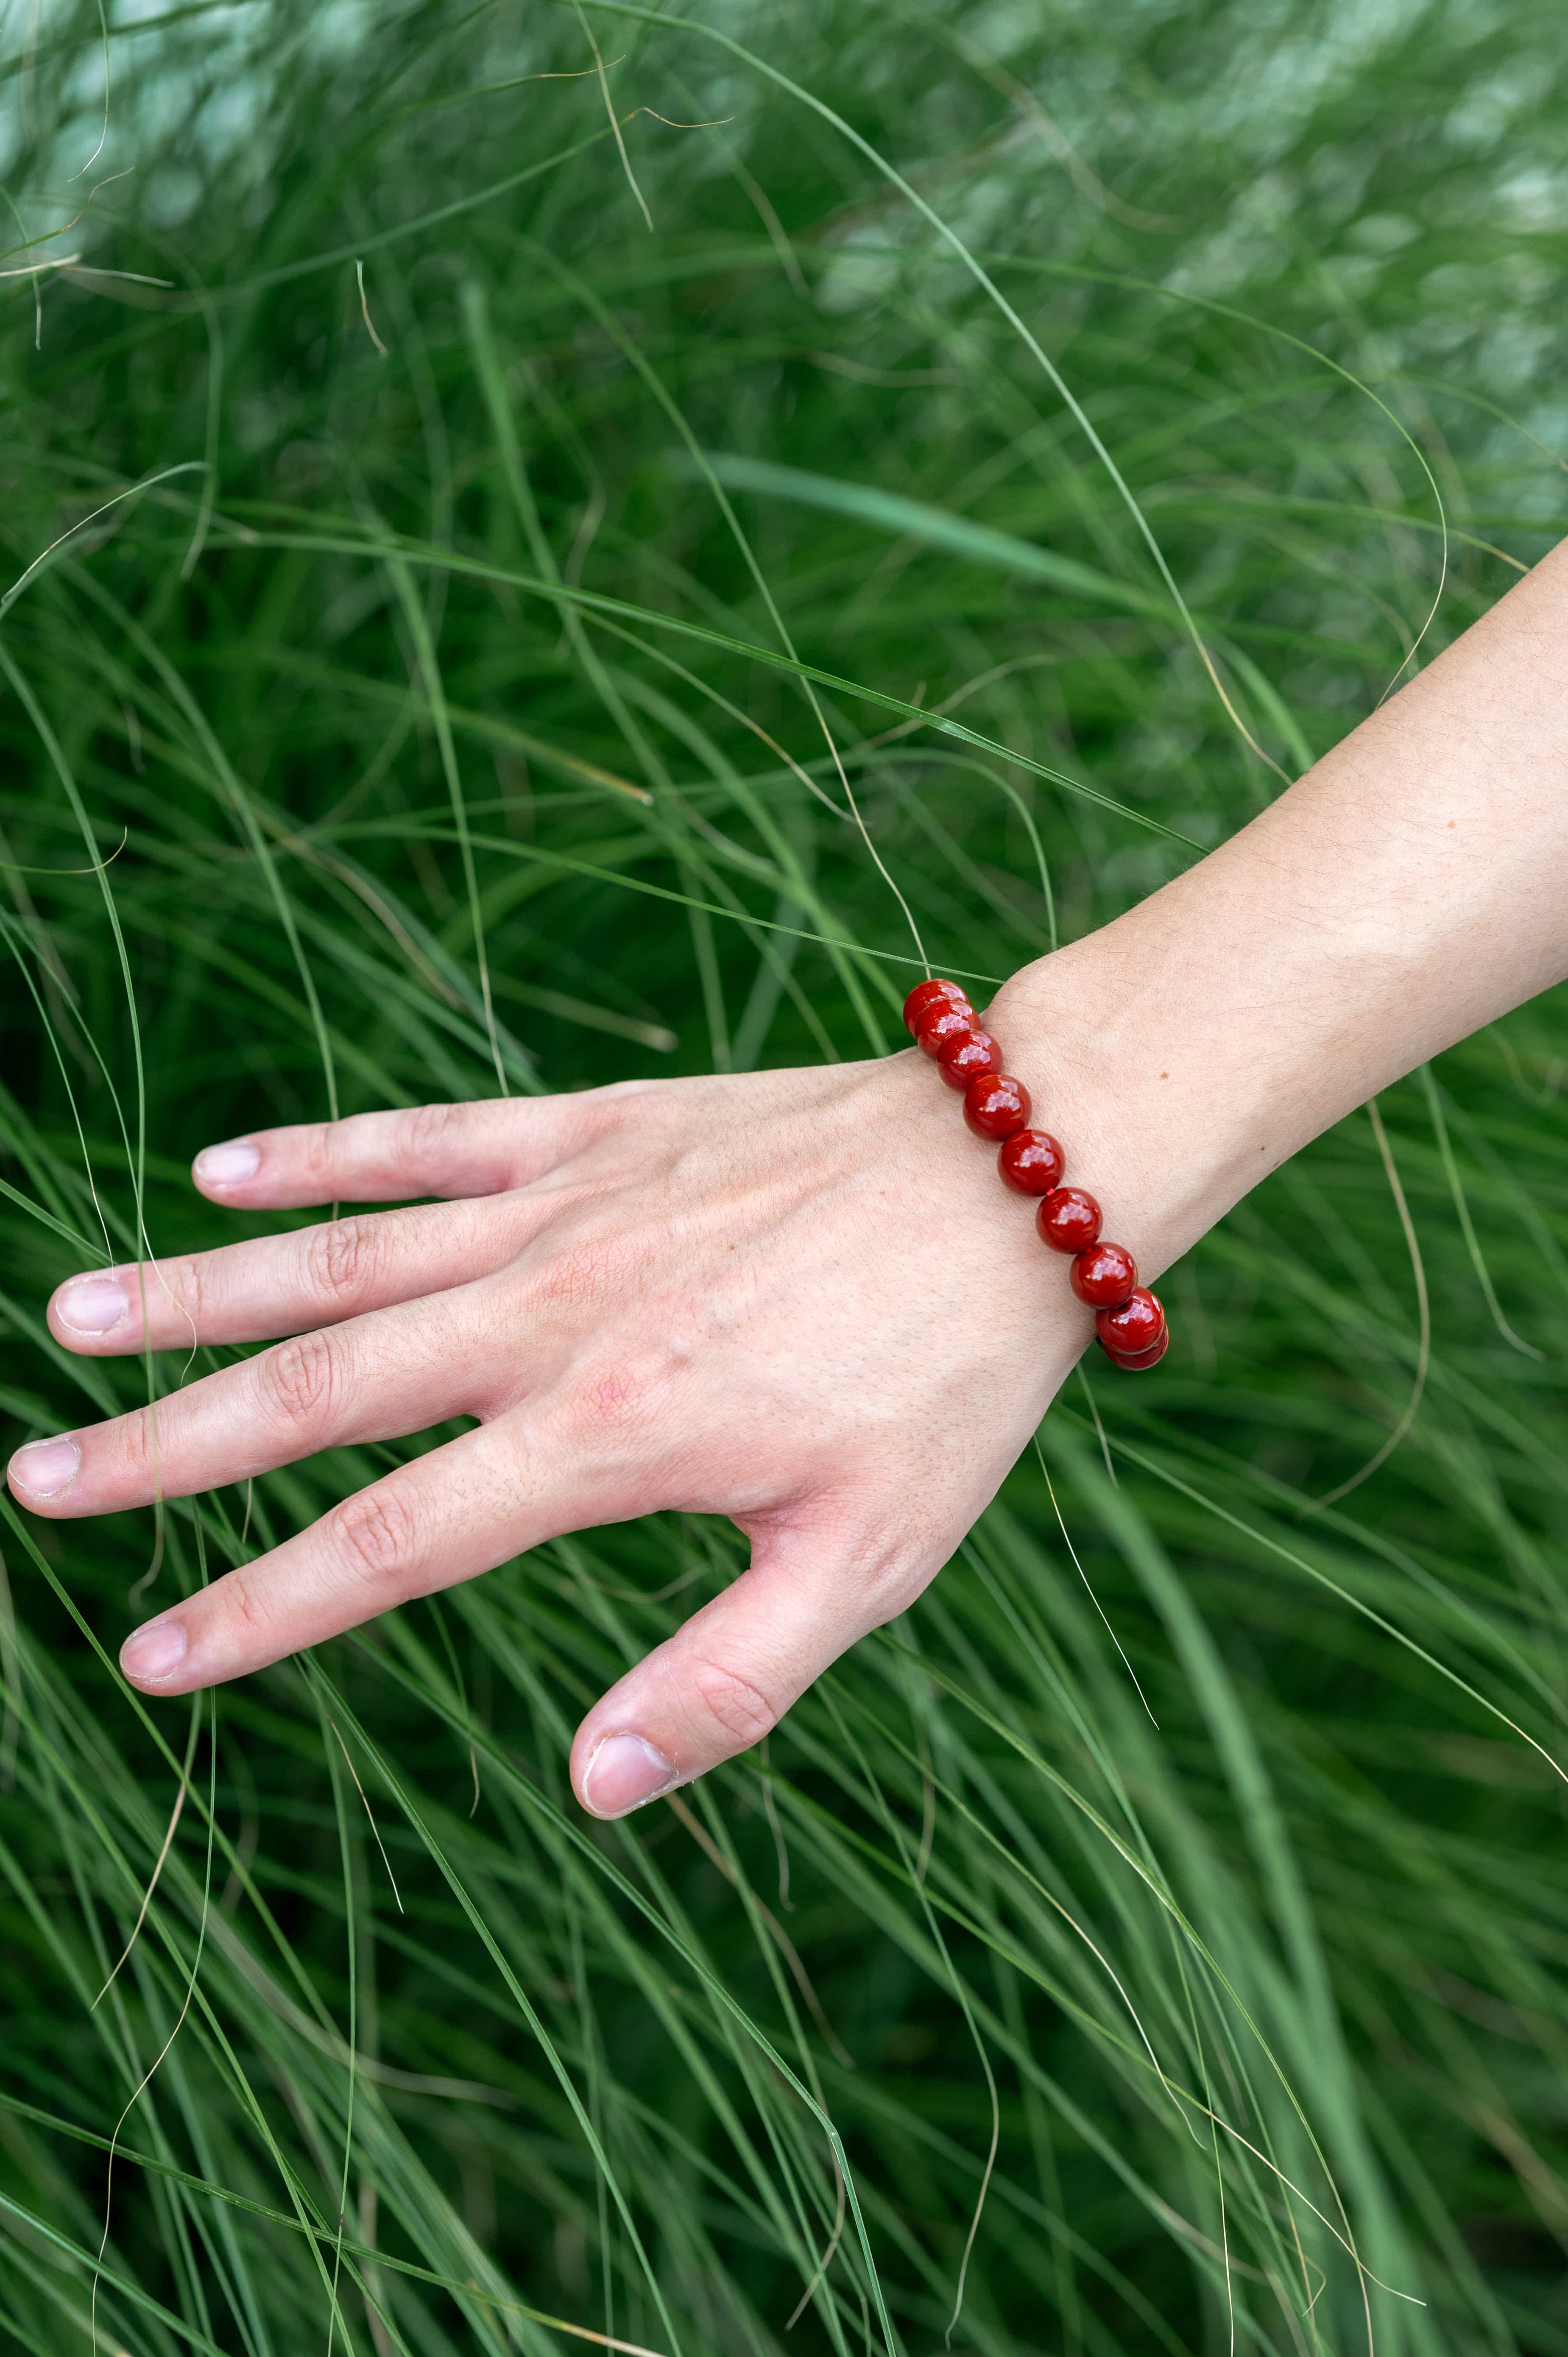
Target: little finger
[[378, 1157]]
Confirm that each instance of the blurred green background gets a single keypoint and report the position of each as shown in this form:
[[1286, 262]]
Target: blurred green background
[[453, 472]]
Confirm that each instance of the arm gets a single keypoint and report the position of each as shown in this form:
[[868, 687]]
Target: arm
[[1410, 887], [801, 1298]]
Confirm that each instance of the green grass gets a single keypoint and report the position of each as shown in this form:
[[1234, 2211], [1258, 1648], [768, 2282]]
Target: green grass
[[482, 666]]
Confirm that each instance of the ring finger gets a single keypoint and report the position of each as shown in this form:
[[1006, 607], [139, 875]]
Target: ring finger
[[279, 1284]]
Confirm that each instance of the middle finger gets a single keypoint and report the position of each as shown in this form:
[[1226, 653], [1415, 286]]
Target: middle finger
[[373, 1378]]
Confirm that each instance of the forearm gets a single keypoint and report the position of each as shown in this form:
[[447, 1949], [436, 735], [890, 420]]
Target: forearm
[[1410, 887]]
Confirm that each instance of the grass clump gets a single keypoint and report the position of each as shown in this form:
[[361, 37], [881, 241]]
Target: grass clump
[[420, 565]]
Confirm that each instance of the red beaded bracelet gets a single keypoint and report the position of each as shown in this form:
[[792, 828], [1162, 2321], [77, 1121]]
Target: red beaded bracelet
[[1128, 1319]]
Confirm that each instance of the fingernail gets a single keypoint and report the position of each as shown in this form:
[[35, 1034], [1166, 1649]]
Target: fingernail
[[624, 1773], [225, 1166], [156, 1650], [45, 1467], [91, 1305]]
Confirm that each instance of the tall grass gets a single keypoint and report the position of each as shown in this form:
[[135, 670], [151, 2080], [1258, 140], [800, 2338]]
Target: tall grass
[[432, 582]]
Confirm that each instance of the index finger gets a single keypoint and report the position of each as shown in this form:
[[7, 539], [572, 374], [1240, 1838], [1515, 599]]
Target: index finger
[[456, 1512]]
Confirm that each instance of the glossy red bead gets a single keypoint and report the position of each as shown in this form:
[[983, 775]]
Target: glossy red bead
[[1032, 1161], [929, 994], [942, 1020], [1135, 1325], [968, 1055], [1067, 1219], [996, 1108], [1136, 1360], [1129, 1320], [1103, 1275]]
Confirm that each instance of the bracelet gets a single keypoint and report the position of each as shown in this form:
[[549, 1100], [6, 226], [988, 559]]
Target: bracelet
[[1128, 1319]]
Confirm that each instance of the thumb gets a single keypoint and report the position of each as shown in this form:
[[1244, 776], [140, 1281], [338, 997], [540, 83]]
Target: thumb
[[725, 1679]]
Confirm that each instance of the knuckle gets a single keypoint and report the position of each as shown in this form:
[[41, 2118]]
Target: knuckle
[[734, 1703], [316, 1145], [576, 1277], [431, 1126], [621, 1105], [244, 1601], [343, 1258], [456, 1150], [618, 1402], [299, 1377], [185, 1286], [887, 1577], [139, 1443], [376, 1532]]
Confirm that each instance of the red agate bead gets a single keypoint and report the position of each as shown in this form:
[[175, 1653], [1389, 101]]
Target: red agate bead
[[995, 1108], [1032, 1161], [968, 1055], [1129, 1321], [1104, 1275], [929, 994], [1135, 1324], [1136, 1360], [1067, 1219], [942, 1020]]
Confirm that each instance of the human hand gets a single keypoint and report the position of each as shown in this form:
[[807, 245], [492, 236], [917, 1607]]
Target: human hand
[[799, 1298]]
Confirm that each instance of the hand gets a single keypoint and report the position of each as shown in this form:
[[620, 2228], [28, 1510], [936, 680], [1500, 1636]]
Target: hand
[[801, 1298]]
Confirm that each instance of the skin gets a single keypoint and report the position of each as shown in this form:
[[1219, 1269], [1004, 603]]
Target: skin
[[802, 1298]]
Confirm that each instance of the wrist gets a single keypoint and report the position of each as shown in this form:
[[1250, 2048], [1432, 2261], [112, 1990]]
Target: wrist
[[1166, 1134]]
